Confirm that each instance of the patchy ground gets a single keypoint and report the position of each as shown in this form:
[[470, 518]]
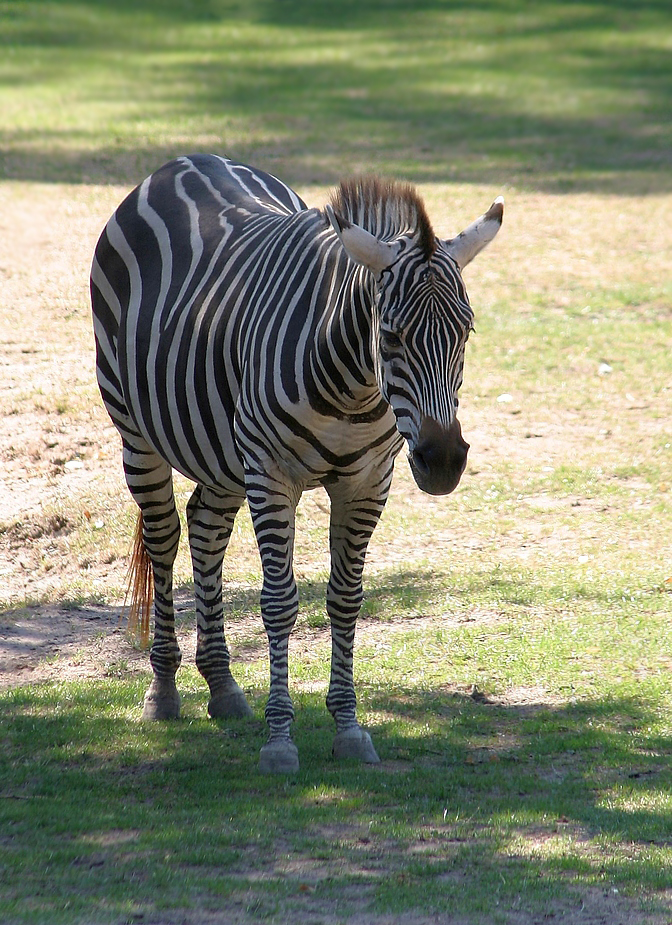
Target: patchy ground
[[61, 483], [60, 472], [54, 437]]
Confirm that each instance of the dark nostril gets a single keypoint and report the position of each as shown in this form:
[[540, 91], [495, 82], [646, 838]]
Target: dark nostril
[[440, 457], [420, 461]]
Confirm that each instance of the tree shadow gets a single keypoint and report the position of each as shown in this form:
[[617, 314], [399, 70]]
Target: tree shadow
[[307, 108], [477, 806], [471, 790]]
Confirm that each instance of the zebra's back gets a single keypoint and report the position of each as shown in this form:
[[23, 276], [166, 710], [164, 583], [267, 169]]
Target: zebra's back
[[192, 262]]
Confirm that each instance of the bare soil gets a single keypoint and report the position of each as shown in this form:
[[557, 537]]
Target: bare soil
[[60, 473], [54, 437]]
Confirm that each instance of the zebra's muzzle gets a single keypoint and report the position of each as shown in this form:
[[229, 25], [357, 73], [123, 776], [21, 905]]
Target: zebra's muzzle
[[439, 457]]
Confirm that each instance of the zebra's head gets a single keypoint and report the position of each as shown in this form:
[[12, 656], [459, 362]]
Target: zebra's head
[[421, 317]]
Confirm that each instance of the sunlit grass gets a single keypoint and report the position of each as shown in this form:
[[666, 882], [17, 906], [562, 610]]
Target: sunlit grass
[[524, 799]]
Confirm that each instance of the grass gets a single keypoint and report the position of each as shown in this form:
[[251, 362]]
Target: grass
[[524, 723], [514, 653], [479, 805], [557, 95]]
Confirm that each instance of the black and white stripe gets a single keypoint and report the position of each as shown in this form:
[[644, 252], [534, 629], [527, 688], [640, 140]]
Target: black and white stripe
[[263, 348]]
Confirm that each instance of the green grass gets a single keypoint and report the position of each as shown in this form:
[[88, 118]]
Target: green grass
[[478, 804], [524, 723], [554, 95]]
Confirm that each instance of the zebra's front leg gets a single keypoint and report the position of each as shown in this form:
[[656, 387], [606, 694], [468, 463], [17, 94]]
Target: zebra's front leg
[[343, 605], [273, 515], [352, 524], [210, 517]]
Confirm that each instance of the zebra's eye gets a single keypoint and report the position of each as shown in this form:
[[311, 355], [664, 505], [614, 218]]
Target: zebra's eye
[[390, 342]]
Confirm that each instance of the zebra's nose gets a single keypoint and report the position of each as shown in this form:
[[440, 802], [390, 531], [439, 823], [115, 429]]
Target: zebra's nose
[[439, 457]]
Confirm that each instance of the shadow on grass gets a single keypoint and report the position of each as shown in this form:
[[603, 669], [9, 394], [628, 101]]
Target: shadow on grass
[[477, 803], [476, 807], [306, 90]]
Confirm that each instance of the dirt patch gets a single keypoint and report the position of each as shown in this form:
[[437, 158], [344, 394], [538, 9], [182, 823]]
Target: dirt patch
[[49, 643]]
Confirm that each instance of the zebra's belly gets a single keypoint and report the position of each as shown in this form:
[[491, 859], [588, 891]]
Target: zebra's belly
[[195, 437], [210, 430], [312, 449]]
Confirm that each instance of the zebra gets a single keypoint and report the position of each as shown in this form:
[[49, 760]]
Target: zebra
[[263, 348]]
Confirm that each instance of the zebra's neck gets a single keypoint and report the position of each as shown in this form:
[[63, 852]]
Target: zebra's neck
[[339, 364]]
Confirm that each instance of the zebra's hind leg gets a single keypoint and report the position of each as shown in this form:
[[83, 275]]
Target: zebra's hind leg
[[210, 517], [149, 479], [352, 523]]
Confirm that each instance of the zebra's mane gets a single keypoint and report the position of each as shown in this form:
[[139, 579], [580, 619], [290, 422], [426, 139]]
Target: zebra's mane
[[385, 208]]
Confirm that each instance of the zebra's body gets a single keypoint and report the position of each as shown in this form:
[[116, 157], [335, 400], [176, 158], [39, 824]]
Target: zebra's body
[[242, 339]]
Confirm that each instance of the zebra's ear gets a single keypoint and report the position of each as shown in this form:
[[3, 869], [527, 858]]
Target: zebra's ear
[[360, 245], [473, 239]]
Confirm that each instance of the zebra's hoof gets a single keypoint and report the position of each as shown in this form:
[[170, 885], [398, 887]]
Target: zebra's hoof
[[355, 743], [229, 703], [279, 757], [162, 701]]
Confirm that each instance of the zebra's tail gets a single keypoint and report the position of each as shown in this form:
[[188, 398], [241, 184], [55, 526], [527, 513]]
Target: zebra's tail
[[140, 588]]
